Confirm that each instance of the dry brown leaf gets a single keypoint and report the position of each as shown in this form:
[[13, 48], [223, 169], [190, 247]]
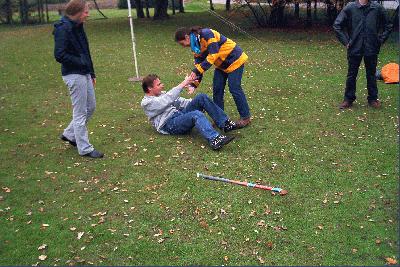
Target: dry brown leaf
[[204, 224], [42, 257], [6, 189], [42, 247], [391, 261]]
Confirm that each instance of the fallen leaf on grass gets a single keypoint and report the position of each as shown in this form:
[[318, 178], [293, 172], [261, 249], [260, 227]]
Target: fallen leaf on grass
[[261, 223], [42, 257], [42, 247], [204, 224], [390, 261], [80, 234], [378, 241], [6, 189]]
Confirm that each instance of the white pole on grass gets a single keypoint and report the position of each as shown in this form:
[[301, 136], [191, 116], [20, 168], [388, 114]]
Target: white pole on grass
[[137, 78]]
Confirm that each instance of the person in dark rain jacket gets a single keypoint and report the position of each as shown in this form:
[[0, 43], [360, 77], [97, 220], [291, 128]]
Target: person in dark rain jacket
[[362, 26], [72, 51]]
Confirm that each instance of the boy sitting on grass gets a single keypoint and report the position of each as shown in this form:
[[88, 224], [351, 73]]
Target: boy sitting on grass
[[171, 114]]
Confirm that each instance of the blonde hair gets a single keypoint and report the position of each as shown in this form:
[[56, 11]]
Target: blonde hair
[[74, 7]]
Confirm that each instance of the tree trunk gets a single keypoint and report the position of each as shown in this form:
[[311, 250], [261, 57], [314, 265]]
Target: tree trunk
[[255, 14], [23, 11], [309, 19], [228, 5], [139, 9], [161, 10], [297, 10], [147, 9], [38, 11], [315, 9], [211, 5], [181, 8], [47, 10], [173, 7], [8, 11]]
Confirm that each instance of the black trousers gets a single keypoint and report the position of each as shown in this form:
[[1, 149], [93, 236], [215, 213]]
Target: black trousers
[[354, 62]]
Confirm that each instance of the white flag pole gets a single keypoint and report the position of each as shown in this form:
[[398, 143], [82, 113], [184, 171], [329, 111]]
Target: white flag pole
[[137, 78]]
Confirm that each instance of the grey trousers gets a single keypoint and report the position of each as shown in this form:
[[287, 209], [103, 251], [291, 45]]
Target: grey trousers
[[83, 104]]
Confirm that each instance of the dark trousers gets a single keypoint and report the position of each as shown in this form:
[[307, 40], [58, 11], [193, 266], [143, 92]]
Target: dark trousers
[[235, 87], [354, 62]]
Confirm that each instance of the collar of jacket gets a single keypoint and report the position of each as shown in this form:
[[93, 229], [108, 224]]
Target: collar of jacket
[[72, 23], [368, 5]]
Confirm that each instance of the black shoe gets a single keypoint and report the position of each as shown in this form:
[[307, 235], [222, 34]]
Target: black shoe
[[243, 122], [219, 141], [375, 103], [230, 126], [94, 154], [345, 104], [72, 143]]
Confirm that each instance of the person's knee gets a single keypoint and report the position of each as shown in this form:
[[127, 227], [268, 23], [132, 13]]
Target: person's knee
[[80, 119], [202, 97]]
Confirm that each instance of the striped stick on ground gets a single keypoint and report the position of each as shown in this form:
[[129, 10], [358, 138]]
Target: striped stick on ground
[[248, 184]]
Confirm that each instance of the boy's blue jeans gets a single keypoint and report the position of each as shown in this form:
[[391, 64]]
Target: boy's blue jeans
[[235, 88], [183, 121]]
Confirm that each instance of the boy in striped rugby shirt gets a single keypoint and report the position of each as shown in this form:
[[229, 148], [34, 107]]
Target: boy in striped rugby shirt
[[212, 48]]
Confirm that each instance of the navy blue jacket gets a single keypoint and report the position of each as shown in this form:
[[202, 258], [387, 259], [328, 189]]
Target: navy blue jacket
[[363, 28], [71, 48]]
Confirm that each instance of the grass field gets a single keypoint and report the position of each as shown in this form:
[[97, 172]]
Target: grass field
[[143, 205]]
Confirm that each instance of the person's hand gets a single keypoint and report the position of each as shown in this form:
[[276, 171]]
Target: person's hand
[[348, 45], [188, 80], [191, 89], [94, 82], [193, 75]]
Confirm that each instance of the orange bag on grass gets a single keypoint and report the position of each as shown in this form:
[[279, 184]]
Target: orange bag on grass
[[390, 73]]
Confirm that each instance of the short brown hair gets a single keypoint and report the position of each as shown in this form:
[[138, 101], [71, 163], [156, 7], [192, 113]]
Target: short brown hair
[[74, 7], [148, 82], [182, 32]]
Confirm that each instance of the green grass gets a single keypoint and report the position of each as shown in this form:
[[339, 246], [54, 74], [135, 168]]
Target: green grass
[[143, 205]]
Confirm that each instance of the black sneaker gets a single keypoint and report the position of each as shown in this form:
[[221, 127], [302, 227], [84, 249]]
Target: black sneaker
[[94, 154], [72, 143], [219, 141], [230, 126]]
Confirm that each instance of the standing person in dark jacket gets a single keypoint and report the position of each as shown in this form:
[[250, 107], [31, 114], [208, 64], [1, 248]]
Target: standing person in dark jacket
[[212, 48], [358, 27], [72, 51]]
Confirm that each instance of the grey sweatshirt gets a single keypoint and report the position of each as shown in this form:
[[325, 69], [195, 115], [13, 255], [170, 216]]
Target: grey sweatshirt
[[159, 108]]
